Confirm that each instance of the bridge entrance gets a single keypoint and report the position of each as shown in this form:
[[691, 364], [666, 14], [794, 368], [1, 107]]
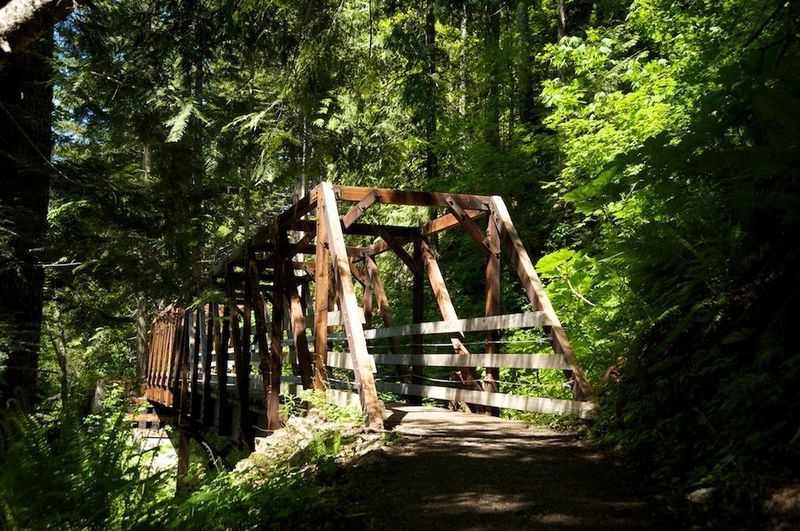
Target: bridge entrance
[[306, 292]]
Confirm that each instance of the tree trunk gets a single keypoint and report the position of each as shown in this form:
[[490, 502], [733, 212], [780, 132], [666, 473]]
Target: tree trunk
[[562, 30], [492, 95], [142, 332], [462, 62], [22, 22], [431, 158], [25, 149], [525, 94]]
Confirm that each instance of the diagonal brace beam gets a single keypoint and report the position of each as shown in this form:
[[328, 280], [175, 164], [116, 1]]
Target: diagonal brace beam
[[348, 305]]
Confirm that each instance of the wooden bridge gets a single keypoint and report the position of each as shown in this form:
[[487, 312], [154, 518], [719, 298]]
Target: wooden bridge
[[288, 323]]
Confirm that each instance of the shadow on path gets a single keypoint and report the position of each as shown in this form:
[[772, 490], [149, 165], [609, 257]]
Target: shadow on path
[[462, 471]]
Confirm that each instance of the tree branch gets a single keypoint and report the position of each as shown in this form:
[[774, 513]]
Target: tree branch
[[22, 22]]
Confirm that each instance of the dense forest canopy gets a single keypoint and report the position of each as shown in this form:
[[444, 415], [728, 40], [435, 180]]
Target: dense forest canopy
[[648, 151]]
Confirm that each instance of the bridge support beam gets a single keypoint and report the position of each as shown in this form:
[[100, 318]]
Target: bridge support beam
[[492, 307], [348, 305], [262, 276], [537, 296]]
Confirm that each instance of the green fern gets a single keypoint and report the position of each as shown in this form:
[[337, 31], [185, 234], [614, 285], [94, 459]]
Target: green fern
[[65, 474]]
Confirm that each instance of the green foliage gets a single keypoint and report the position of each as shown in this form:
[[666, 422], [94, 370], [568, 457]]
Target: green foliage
[[684, 165], [254, 499], [70, 474], [290, 483], [58, 472], [649, 158], [349, 415]]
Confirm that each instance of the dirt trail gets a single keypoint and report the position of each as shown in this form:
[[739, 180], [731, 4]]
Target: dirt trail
[[470, 472]]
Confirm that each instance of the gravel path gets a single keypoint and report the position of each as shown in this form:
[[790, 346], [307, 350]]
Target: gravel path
[[472, 472]]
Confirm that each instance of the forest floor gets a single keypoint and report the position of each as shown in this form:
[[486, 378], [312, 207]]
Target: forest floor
[[472, 472]]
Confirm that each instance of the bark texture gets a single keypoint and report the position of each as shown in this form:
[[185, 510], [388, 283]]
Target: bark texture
[[25, 149]]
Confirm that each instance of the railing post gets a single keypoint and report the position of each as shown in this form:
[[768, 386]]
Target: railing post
[[322, 287], [211, 333], [271, 368], [492, 306]]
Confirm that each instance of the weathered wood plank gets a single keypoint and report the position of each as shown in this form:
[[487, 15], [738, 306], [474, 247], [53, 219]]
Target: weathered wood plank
[[442, 295], [152, 356], [306, 204], [240, 338], [492, 306], [367, 295], [340, 360], [448, 312], [166, 349], [225, 419], [536, 294], [405, 197], [373, 273], [302, 243], [335, 319], [513, 361], [208, 345], [197, 355], [473, 324], [376, 248], [447, 221], [349, 308], [556, 406], [297, 321], [322, 283], [264, 354], [174, 353], [271, 368], [470, 226], [580, 409], [417, 313], [180, 376], [359, 208], [400, 251]]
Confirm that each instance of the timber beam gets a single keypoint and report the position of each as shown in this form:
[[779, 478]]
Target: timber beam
[[359, 229], [261, 279], [405, 197]]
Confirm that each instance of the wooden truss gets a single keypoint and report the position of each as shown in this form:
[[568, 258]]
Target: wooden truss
[[273, 273]]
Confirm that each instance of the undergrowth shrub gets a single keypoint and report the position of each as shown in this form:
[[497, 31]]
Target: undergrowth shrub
[[68, 473], [290, 482]]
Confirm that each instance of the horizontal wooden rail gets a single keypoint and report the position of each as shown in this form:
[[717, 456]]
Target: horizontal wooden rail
[[534, 404], [341, 360], [573, 408], [339, 394], [334, 319], [512, 361], [474, 324]]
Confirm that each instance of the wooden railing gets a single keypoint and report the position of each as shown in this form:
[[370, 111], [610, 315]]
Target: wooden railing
[[282, 308]]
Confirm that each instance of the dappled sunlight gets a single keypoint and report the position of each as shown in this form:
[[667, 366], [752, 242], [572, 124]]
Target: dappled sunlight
[[465, 471]]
